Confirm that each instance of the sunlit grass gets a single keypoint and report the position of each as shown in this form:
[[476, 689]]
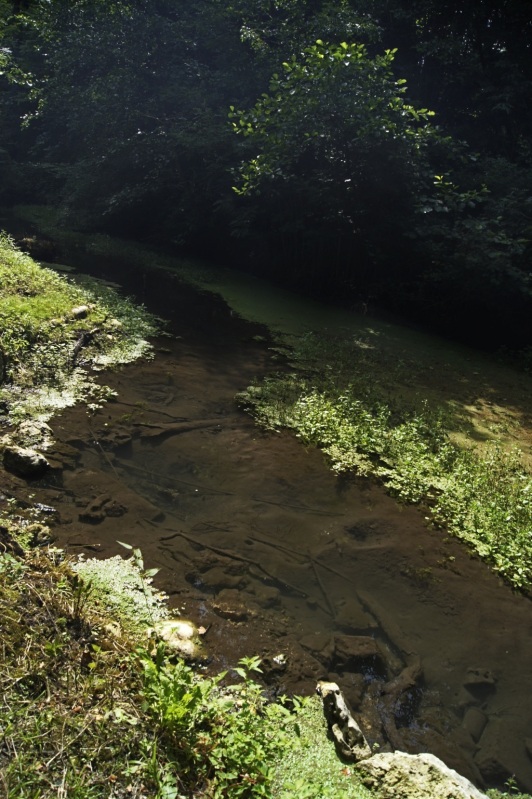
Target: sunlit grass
[[41, 329]]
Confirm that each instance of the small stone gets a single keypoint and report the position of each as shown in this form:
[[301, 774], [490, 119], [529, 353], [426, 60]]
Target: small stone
[[217, 579], [479, 676], [229, 605], [351, 617], [479, 682], [267, 596], [80, 311], [320, 645]]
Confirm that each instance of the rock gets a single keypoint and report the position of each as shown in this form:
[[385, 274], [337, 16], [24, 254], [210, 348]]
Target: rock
[[479, 682], [116, 437], [354, 687], [80, 311], [181, 637], [101, 507], [267, 596], [24, 462], [456, 752], [351, 617], [474, 722], [348, 736], [320, 645], [33, 433], [424, 776], [358, 653], [488, 761], [217, 579], [229, 605]]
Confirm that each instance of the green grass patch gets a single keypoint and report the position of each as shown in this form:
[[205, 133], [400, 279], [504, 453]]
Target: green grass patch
[[334, 400], [310, 768], [46, 338]]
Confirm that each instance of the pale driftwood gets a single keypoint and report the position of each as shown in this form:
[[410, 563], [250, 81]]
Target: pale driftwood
[[348, 737]]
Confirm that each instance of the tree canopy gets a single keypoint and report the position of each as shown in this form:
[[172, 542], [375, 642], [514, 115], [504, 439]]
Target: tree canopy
[[366, 150]]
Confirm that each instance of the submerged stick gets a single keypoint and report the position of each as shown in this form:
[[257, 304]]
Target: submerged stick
[[170, 479], [232, 555], [322, 587], [304, 508], [278, 547], [176, 428]]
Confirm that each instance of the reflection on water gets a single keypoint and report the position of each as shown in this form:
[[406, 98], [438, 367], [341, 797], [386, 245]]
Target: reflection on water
[[275, 555]]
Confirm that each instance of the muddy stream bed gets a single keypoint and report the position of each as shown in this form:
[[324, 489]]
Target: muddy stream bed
[[275, 556]]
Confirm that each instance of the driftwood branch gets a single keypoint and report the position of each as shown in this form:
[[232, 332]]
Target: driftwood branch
[[85, 338]]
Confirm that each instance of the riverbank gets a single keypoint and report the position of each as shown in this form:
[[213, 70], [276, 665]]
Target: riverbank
[[89, 708], [164, 387]]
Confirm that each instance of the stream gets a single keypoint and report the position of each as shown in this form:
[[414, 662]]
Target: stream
[[256, 540]]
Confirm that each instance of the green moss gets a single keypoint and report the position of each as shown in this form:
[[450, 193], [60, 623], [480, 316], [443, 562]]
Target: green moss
[[40, 352]]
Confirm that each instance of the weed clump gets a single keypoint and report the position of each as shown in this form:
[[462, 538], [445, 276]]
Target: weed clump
[[88, 711]]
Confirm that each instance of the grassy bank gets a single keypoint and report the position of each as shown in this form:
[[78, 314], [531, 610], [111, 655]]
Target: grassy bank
[[339, 396], [56, 333]]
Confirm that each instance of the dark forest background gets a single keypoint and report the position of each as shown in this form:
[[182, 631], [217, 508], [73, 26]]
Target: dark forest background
[[373, 152]]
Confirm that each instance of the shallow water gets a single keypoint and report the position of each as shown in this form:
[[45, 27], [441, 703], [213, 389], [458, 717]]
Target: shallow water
[[273, 554]]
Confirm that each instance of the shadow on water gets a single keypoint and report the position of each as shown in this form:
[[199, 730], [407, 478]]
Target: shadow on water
[[274, 555]]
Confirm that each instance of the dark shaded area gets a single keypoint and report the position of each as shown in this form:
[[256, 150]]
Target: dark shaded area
[[119, 116]]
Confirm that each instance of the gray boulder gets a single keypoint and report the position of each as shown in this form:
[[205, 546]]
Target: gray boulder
[[403, 776]]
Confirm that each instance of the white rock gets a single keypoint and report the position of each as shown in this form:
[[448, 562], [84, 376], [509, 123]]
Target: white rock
[[180, 636], [403, 776]]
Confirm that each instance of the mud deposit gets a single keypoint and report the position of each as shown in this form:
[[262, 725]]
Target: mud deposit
[[275, 556]]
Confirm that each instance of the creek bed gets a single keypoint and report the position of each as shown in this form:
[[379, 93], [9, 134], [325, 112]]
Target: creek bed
[[321, 576]]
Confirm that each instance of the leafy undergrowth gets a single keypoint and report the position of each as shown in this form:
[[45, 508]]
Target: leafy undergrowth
[[333, 400], [89, 709], [52, 326]]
